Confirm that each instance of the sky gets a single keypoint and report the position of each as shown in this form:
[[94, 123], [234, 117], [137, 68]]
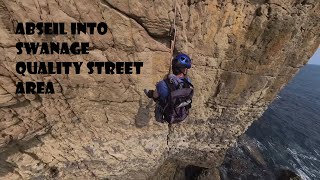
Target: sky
[[315, 59]]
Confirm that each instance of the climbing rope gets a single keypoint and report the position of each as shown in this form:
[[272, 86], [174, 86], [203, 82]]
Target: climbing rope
[[173, 32]]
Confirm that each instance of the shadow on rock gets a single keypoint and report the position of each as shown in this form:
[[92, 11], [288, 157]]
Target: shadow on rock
[[143, 116]]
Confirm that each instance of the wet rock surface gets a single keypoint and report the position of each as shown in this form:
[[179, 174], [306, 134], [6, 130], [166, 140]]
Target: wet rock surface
[[102, 126], [245, 161]]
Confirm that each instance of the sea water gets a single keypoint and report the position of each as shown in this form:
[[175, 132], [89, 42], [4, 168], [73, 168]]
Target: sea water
[[288, 133]]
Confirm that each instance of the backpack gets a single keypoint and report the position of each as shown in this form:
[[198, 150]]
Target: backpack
[[178, 103]]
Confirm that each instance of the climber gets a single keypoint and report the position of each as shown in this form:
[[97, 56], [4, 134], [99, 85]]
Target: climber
[[173, 95]]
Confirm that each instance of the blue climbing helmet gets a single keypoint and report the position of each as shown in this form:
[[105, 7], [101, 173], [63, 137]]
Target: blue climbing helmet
[[181, 61]]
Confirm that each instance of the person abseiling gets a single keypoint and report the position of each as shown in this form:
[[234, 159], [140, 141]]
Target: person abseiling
[[173, 95]]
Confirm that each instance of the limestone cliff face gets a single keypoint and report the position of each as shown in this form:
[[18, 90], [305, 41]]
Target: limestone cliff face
[[102, 126]]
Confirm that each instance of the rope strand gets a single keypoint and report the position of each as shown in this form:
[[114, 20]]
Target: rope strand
[[173, 31]]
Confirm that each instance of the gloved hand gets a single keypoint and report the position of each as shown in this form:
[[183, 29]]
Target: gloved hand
[[149, 93]]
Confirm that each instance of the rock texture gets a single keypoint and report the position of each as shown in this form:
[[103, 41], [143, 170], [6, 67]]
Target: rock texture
[[102, 126], [245, 160]]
